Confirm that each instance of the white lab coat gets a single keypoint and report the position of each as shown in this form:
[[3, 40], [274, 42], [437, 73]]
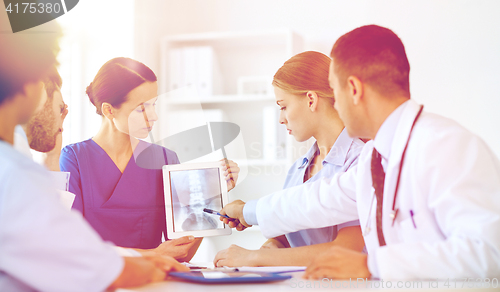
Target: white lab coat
[[61, 179], [450, 180], [61, 182], [43, 246]]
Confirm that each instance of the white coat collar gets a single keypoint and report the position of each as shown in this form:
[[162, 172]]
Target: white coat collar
[[402, 132], [385, 135]]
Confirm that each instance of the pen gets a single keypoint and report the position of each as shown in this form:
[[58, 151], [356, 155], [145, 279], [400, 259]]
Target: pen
[[292, 271], [412, 220], [216, 269], [197, 268], [225, 269], [215, 213]]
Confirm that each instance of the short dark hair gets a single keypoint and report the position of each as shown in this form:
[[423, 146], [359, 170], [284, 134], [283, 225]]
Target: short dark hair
[[376, 56], [53, 83], [115, 80], [26, 56]]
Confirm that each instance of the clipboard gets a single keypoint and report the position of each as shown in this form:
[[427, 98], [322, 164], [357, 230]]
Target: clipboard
[[218, 277]]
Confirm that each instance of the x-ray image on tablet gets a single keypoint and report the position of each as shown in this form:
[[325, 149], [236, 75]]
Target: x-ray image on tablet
[[192, 191], [189, 188]]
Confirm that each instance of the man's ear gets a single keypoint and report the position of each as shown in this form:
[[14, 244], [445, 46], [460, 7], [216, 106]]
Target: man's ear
[[107, 110], [312, 99], [355, 89]]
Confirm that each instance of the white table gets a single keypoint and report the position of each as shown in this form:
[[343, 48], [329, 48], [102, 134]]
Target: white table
[[297, 283]]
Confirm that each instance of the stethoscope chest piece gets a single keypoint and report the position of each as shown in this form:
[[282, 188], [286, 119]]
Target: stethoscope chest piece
[[393, 215]]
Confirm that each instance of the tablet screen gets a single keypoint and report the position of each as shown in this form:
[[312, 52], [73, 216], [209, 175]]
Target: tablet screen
[[191, 192]]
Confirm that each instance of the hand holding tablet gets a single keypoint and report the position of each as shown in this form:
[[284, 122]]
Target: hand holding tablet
[[231, 172]]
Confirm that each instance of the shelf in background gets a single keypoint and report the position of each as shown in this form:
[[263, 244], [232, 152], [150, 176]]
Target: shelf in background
[[232, 38], [226, 98]]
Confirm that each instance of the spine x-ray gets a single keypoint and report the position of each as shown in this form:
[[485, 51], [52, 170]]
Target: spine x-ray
[[192, 191]]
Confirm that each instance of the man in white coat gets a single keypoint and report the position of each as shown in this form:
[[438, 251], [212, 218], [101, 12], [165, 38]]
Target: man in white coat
[[426, 190]]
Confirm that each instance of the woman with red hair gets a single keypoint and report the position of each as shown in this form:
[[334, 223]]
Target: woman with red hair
[[306, 104]]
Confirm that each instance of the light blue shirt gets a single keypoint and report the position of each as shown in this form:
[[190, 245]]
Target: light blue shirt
[[343, 155]]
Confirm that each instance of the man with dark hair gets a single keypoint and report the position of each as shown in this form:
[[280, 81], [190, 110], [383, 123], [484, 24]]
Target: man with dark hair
[[426, 190], [376, 56], [42, 245]]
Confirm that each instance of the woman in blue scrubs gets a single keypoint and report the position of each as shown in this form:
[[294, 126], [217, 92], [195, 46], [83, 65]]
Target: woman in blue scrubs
[[306, 105], [116, 177]]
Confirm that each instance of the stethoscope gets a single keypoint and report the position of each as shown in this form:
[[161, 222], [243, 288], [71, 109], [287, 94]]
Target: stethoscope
[[394, 212]]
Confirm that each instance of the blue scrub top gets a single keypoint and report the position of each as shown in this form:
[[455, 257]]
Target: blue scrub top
[[343, 155], [126, 208]]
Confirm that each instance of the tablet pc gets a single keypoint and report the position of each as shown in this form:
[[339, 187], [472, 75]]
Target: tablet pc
[[228, 277], [188, 189]]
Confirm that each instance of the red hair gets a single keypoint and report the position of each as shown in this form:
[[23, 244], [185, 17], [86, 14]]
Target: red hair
[[307, 71]]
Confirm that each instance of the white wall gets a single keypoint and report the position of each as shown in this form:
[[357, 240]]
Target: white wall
[[92, 36], [453, 46]]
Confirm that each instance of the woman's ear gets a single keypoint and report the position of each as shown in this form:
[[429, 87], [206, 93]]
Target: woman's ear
[[107, 110], [312, 99]]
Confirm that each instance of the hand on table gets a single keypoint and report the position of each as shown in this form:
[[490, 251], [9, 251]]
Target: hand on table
[[165, 264], [139, 271], [231, 171], [177, 248], [235, 256], [338, 263], [235, 211], [180, 248]]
